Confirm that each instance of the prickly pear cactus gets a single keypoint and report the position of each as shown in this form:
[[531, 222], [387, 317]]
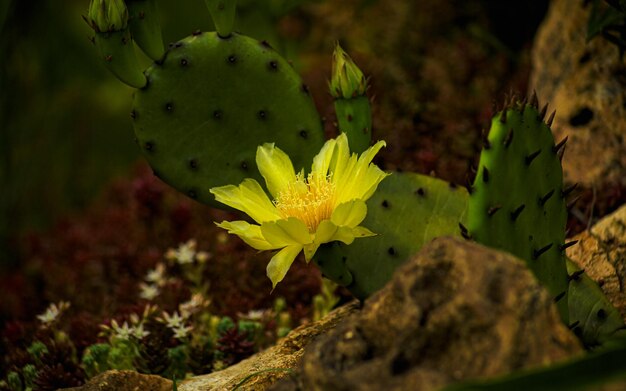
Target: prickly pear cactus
[[592, 316], [407, 211], [517, 203], [211, 101]]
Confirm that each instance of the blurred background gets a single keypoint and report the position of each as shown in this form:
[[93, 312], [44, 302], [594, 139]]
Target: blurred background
[[64, 120]]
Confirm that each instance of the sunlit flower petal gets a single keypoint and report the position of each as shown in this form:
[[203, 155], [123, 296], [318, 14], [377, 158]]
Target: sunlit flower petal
[[281, 262], [249, 233], [276, 167], [324, 206], [288, 232], [349, 214], [249, 198]]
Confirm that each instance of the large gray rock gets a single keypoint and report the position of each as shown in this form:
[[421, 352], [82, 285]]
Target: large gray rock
[[456, 311], [585, 82]]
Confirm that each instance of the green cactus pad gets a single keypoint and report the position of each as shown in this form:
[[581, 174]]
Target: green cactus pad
[[592, 316], [118, 53], [407, 211], [354, 117], [145, 27], [517, 203], [211, 102]]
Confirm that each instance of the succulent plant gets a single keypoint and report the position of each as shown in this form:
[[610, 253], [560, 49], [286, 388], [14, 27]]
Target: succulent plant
[[348, 86], [406, 212], [518, 199], [204, 105], [109, 19]]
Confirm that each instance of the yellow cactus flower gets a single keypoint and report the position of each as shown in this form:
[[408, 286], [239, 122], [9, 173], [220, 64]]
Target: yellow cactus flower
[[306, 211]]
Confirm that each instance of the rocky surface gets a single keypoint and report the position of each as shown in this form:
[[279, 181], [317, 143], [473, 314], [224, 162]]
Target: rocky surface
[[586, 83], [601, 251], [115, 380], [456, 311], [265, 368], [255, 373]]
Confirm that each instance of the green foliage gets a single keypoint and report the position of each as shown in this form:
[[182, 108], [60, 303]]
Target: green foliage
[[223, 14], [225, 97], [178, 362], [592, 316], [96, 359], [37, 350], [407, 211], [225, 324], [517, 203], [29, 373], [145, 27], [326, 300], [122, 355], [349, 86], [15, 381]]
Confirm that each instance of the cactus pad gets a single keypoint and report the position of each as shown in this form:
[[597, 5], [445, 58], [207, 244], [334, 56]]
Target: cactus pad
[[211, 101], [407, 211], [517, 203]]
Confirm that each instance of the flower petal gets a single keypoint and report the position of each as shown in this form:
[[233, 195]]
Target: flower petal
[[250, 198], [321, 161], [347, 234], [309, 251], [341, 160], [360, 180], [276, 167], [349, 214], [281, 262], [286, 232], [249, 233]]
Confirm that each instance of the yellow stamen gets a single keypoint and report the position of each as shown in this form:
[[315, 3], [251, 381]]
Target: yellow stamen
[[311, 200]]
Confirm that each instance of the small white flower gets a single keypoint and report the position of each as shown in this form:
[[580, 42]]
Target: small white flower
[[53, 312], [139, 332], [149, 291], [173, 321], [186, 253], [122, 332], [192, 306], [255, 314], [181, 332], [156, 275]]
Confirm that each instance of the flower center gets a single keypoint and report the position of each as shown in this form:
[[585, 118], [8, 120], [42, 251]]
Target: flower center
[[310, 200]]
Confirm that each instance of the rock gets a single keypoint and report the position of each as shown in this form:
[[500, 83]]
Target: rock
[[601, 251], [585, 82], [266, 367], [115, 380], [455, 311]]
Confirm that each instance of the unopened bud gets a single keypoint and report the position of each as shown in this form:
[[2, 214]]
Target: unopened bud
[[347, 80], [108, 15]]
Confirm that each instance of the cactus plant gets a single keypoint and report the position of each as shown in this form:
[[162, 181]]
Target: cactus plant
[[109, 19], [592, 316], [517, 203], [145, 27], [206, 104], [407, 211], [348, 86]]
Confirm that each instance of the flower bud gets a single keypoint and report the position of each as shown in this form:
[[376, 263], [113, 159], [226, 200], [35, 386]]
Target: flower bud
[[108, 15], [347, 80]]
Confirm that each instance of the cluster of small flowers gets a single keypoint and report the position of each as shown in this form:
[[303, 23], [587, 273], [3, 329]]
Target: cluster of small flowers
[[186, 253], [176, 323], [156, 279], [127, 330]]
